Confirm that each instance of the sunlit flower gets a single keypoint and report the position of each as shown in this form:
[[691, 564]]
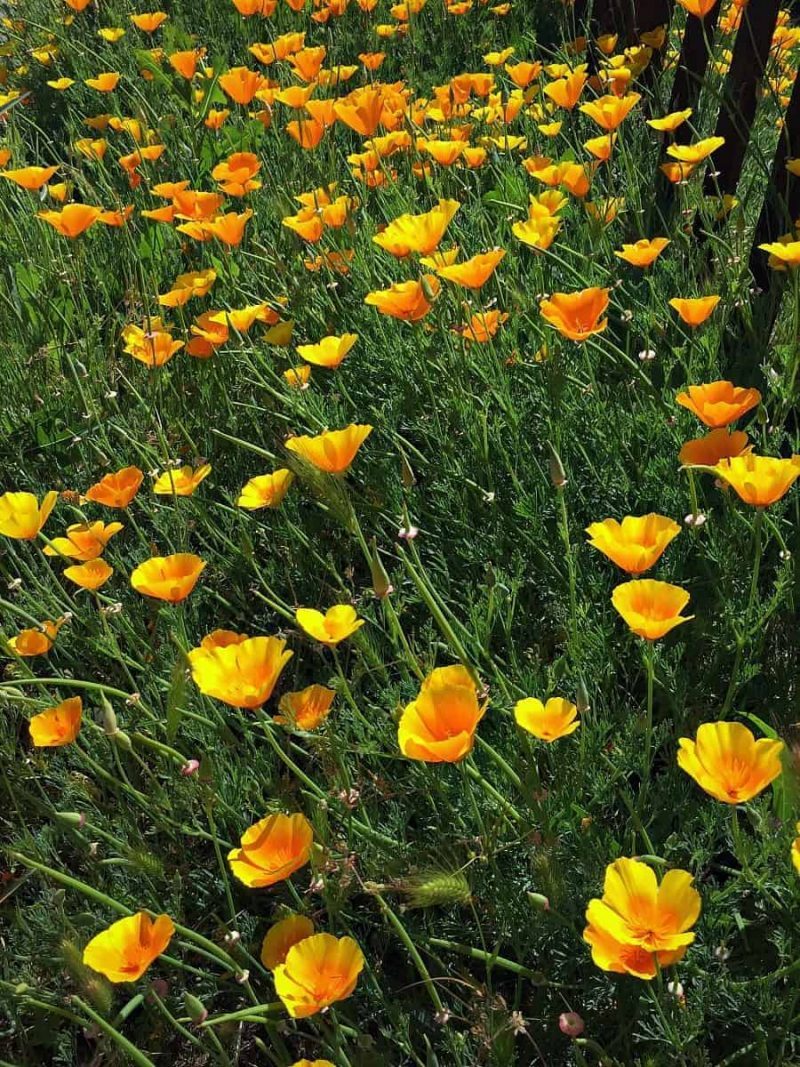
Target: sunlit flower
[[126, 949], [329, 352], [71, 221], [695, 153], [759, 480], [32, 178], [718, 404], [170, 578], [440, 725], [637, 543], [651, 608], [90, 575], [669, 123], [58, 725], [332, 451], [282, 936], [149, 21], [319, 971], [238, 670], [475, 272], [116, 490], [610, 111], [307, 708], [576, 315], [566, 92], [643, 253], [417, 233], [265, 490], [707, 451], [694, 311], [639, 925], [35, 642], [557, 718], [181, 481], [337, 624], [21, 515], [409, 301], [272, 849], [728, 762]]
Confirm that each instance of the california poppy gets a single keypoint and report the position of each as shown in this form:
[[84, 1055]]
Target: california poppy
[[417, 233], [440, 725], [73, 220], [239, 670], [707, 451], [637, 543], [643, 253], [576, 315], [282, 936], [272, 849], [329, 352], [475, 272], [318, 971], [759, 480], [557, 718], [181, 481], [718, 404], [332, 451], [266, 490], [337, 624], [116, 490], [695, 310], [728, 762], [307, 708], [409, 301], [84, 541], [57, 726], [170, 578], [651, 608], [125, 950], [92, 574], [22, 516]]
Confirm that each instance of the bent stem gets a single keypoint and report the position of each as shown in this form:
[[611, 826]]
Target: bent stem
[[649, 653]]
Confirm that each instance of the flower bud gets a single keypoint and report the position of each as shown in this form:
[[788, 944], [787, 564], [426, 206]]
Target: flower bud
[[110, 724], [558, 476], [406, 473], [381, 585], [427, 289], [71, 818], [540, 902], [571, 1024], [582, 698], [190, 767], [195, 1009]]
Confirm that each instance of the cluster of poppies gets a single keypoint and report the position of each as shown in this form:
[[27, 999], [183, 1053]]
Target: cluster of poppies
[[638, 925]]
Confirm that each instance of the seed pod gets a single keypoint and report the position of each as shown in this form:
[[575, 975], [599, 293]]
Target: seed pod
[[381, 585], [558, 476]]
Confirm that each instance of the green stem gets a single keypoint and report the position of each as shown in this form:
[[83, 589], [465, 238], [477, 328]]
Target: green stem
[[130, 1050], [419, 963]]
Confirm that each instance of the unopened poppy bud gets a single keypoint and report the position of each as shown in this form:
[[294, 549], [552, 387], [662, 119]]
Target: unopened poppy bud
[[110, 724], [121, 738], [540, 902], [381, 585], [558, 476], [582, 698], [406, 473], [571, 1024], [761, 415], [428, 291], [71, 818], [195, 1009], [190, 767]]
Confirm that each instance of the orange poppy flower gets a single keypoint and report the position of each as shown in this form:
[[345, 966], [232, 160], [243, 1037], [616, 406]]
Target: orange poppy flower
[[196, 283], [116, 490], [73, 220], [440, 725], [566, 92], [307, 132], [576, 315], [184, 63], [337, 624], [718, 404], [36, 642], [229, 228], [307, 708], [57, 726], [698, 8], [240, 671], [90, 575], [707, 451], [170, 578], [104, 83], [282, 936], [127, 948], [609, 112], [548, 722], [409, 301], [361, 110], [83, 541], [266, 490], [695, 310], [329, 352], [149, 21], [417, 233], [637, 543], [695, 153], [651, 608], [21, 515], [181, 481], [643, 253], [154, 346], [601, 147], [31, 178], [474, 272], [759, 480], [669, 123], [483, 326], [729, 763], [677, 172], [318, 971], [272, 849], [236, 173], [332, 451], [241, 84]]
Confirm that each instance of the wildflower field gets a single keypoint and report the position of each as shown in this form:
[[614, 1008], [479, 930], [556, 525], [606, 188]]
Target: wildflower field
[[398, 533]]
